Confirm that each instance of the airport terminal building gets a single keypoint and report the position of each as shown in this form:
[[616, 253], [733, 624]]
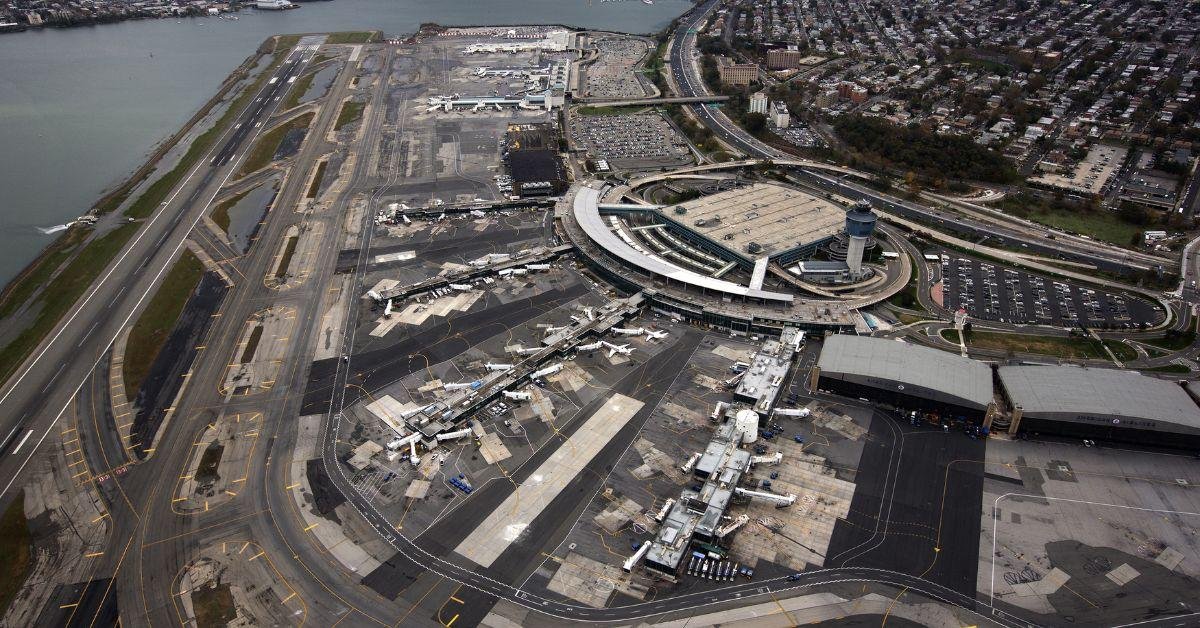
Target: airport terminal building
[[904, 375], [1102, 404]]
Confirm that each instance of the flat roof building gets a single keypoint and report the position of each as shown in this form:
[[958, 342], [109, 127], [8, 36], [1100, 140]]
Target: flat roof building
[[1099, 403], [737, 73], [904, 375], [760, 220], [768, 368]]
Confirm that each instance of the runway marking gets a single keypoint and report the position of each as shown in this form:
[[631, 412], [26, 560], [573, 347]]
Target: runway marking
[[93, 554], [88, 334], [311, 527], [73, 605], [291, 486], [98, 519], [285, 600], [255, 556], [22, 443], [95, 290], [54, 377]]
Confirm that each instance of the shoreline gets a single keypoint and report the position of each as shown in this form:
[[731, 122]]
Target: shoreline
[[109, 201]]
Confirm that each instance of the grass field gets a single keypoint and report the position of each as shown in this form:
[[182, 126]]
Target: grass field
[[1170, 368], [268, 143], [298, 89], [1102, 225], [1070, 348], [352, 37], [14, 551], [315, 186], [1172, 342], [213, 606], [1123, 351], [351, 112], [288, 251], [58, 252], [220, 213], [156, 321], [61, 293], [210, 461]]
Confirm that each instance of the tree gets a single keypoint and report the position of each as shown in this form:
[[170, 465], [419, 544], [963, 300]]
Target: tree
[[755, 123]]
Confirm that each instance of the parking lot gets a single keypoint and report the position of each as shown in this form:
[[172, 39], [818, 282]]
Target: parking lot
[[643, 140], [989, 291], [613, 75], [800, 135]]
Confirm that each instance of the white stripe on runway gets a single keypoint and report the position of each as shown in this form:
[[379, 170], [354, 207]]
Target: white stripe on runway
[[22, 443]]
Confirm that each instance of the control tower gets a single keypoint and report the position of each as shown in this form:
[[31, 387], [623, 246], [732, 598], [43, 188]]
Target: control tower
[[860, 223]]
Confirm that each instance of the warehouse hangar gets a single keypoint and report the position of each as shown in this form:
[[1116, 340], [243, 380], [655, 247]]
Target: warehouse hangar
[[904, 375], [1102, 404]]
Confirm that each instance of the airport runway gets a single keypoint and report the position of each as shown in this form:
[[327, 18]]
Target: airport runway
[[35, 398]]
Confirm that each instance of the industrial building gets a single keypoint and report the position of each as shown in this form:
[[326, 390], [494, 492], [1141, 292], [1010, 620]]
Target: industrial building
[[905, 376], [1101, 404]]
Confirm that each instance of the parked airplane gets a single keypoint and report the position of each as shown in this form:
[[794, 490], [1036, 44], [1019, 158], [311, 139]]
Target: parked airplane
[[615, 349]]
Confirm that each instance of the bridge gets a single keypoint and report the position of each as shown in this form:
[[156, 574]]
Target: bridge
[[639, 102]]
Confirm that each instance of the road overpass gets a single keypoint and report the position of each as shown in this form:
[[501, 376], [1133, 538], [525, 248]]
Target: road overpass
[[665, 100]]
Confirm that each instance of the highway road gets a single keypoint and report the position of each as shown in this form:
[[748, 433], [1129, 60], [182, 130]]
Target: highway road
[[684, 75], [151, 539], [34, 399]]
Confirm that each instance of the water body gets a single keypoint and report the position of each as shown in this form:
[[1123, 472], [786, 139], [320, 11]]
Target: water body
[[246, 214], [81, 108], [320, 83]]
